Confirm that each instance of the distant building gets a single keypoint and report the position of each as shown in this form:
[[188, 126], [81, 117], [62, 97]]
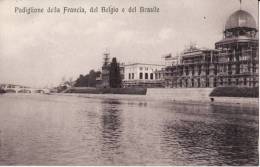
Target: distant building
[[233, 62], [143, 75]]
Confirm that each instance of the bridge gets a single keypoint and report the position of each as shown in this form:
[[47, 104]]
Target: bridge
[[10, 88]]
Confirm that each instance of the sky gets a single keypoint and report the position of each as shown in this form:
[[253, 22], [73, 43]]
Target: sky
[[39, 50]]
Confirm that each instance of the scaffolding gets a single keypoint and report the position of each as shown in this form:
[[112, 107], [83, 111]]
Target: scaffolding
[[233, 65]]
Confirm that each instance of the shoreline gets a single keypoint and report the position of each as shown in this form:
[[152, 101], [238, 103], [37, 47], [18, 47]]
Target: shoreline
[[223, 101], [226, 101]]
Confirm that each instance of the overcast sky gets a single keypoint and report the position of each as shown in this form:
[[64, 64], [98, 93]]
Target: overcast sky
[[39, 49]]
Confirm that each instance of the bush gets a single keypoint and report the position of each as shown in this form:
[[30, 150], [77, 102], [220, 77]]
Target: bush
[[235, 92], [2, 91]]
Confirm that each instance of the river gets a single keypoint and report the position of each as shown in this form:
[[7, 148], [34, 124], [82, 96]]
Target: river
[[109, 130]]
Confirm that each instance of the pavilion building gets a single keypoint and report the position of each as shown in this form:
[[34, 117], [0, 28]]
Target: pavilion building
[[143, 75], [233, 62]]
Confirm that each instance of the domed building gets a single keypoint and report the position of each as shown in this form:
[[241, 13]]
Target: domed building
[[241, 19], [238, 55], [233, 62]]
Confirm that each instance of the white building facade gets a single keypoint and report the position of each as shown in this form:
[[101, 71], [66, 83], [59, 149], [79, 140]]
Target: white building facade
[[143, 75]]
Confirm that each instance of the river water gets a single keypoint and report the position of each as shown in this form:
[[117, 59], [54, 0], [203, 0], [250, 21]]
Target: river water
[[71, 130]]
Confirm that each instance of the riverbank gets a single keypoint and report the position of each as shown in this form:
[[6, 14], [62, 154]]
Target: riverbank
[[90, 90], [180, 95], [201, 95], [223, 101], [235, 92]]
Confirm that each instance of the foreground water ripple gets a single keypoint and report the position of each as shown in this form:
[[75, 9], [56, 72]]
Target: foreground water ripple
[[71, 130]]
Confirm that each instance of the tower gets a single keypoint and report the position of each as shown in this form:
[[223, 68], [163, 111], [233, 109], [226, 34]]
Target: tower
[[105, 69], [106, 58]]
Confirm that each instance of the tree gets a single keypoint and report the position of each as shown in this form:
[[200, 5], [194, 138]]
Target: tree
[[69, 82], [115, 79], [63, 80], [92, 78], [89, 80]]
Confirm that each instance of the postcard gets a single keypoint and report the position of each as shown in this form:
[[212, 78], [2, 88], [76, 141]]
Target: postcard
[[133, 82]]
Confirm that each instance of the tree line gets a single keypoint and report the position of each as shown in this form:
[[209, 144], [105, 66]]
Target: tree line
[[90, 80]]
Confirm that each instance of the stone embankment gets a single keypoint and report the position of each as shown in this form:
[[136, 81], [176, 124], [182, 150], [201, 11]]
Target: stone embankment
[[90, 90], [177, 95], [196, 95], [180, 94]]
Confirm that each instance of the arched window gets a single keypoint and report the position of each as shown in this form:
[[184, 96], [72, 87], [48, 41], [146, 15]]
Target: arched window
[[151, 76], [140, 75], [146, 76]]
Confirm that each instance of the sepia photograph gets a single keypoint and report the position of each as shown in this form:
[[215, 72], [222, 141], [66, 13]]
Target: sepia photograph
[[127, 83]]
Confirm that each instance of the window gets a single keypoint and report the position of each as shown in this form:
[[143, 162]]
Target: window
[[198, 82], [133, 75], [229, 69], [140, 75], [215, 82], [141, 68], [151, 76], [199, 70], [237, 68], [156, 76], [245, 81], [186, 70], [146, 75], [129, 76], [229, 81], [215, 69], [254, 68], [207, 69], [207, 82]]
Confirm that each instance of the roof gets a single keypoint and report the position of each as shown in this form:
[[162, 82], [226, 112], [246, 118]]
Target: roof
[[238, 39], [240, 18], [143, 64]]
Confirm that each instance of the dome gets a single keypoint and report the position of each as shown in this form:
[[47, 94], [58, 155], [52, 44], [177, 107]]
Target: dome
[[240, 18]]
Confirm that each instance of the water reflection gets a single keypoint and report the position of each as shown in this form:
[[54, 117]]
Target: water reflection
[[6, 152], [235, 139], [60, 130], [137, 103], [142, 104], [218, 139], [111, 129]]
